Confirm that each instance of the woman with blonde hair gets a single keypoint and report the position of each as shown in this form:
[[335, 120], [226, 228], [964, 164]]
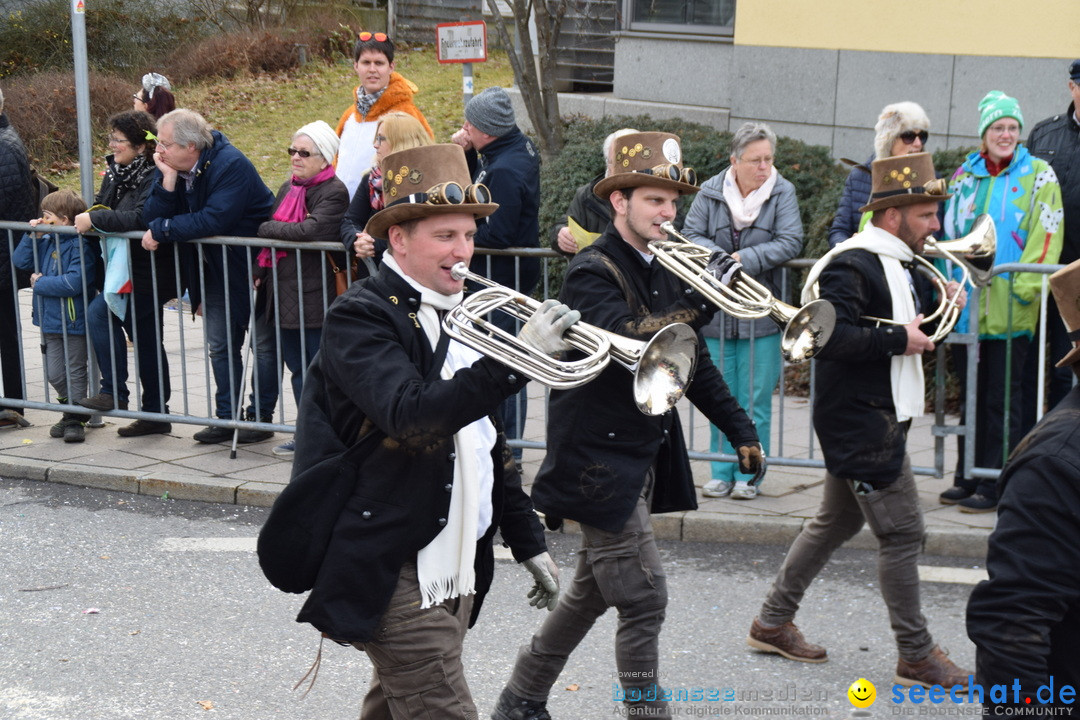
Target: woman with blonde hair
[[395, 131]]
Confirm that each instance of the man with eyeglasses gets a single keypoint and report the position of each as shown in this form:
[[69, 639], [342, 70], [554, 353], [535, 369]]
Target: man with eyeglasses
[[381, 91], [609, 465], [429, 479], [503, 158], [1057, 141], [205, 186]]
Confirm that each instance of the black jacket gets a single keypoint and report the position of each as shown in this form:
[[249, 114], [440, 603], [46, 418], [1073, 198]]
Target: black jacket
[[1025, 620], [1057, 141], [355, 219], [510, 167], [370, 375], [588, 211], [854, 415], [16, 200], [125, 215], [599, 444]]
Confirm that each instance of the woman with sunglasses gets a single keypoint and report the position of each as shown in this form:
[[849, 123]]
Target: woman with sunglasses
[[1021, 193], [749, 211], [394, 132], [309, 208], [155, 96], [902, 129]]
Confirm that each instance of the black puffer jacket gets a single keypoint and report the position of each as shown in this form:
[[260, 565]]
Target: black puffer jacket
[[1057, 141], [16, 200], [124, 215]]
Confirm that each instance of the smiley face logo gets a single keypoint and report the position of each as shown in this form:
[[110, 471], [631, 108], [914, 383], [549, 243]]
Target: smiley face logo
[[862, 693]]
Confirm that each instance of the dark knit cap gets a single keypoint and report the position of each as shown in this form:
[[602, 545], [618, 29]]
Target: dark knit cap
[[1074, 71], [490, 112]]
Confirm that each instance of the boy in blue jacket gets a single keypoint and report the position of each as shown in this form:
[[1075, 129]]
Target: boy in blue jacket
[[62, 273]]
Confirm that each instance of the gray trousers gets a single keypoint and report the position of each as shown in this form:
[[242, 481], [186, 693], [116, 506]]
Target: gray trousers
[[896, 520], [417, 658], [66, 371], [620, 570]]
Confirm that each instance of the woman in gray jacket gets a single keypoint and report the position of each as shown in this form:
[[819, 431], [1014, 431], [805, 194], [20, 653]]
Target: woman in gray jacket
[[749, 210]]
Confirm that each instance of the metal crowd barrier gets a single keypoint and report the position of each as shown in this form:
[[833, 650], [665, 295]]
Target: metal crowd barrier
[[193, 402]]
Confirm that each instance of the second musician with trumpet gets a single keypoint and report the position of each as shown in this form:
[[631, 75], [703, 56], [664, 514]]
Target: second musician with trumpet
[[869, 387], [610, 466]]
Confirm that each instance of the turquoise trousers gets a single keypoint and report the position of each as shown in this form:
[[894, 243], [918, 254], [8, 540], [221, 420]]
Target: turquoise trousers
[[752, 382]]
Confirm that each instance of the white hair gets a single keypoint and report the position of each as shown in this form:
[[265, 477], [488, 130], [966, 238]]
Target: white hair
[[895, 119]]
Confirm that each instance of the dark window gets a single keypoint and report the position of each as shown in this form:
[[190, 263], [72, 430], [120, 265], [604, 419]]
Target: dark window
[[706, 16]]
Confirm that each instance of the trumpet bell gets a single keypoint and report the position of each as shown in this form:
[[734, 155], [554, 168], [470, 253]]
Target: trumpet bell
[[806, 329], [665, 368], [976, 250]]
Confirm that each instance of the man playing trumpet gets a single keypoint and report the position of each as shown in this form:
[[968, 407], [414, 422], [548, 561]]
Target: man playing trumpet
[[869, 387], [608, 465]]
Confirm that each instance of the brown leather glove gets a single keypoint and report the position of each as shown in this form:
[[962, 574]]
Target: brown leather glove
[[752, 462]]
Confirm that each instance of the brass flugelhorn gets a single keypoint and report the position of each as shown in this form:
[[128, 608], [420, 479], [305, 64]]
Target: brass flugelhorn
[[663, 366], [805, 329], [973, 254]]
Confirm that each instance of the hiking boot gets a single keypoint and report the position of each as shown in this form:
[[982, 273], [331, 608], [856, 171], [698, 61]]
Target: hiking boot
[[213, 434], [935, 669], [103, 402], [955, 494], [74, 432], [144, 427], [977, 504], [785, 640], [512, 707], [57, 430]]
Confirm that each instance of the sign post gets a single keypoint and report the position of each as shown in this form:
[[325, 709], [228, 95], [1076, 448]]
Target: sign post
[[465, 43], [82, 99]]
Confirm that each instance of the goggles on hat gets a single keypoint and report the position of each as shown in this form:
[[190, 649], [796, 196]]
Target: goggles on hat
[[451, 193], [672, 172]]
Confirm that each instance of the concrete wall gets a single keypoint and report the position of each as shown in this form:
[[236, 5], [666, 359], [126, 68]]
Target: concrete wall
[[831, 97]]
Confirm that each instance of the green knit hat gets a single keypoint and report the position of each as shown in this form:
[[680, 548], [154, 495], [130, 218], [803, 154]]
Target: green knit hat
[[995, 106]]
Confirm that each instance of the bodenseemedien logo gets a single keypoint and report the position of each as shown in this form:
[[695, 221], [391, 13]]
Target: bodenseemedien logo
[[862, 693]]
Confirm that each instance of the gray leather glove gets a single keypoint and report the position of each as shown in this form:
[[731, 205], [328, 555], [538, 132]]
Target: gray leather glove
[[752, 462], [545, 328], [545, 592], [723, 267]]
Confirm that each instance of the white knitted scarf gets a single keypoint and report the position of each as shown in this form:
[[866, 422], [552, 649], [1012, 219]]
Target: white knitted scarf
[[744, 210], [906, 372], [445, 566]]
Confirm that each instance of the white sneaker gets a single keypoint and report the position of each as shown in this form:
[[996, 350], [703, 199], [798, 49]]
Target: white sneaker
[[744, 491], [717, 488]]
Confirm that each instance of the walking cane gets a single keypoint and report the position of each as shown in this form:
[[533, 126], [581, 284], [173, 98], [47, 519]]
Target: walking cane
[[239, 404]]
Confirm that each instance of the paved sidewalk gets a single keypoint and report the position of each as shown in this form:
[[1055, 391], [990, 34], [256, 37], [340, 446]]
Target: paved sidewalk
[[176, 465]]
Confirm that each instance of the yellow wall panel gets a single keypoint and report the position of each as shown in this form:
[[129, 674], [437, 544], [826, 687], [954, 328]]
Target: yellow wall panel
[[1037, 28]]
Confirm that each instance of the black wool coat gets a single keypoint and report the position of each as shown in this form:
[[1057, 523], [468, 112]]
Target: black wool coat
[[1025, 620], [370, 376], [599, 444], [854, 415]]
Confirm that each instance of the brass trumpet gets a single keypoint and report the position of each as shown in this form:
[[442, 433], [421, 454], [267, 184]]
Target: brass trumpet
[[663, 366], [805, 329], [973, 254]]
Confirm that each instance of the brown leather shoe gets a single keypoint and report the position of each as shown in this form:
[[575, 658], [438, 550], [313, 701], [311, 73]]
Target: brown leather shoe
[[935, 669], [785, 640]]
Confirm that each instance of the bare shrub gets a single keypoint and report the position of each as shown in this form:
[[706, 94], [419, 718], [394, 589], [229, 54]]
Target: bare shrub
[[228, 54], [42, 109]]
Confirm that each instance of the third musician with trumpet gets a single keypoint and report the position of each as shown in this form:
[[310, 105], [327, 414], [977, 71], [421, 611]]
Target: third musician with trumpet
[[608, 465], [869, 387]]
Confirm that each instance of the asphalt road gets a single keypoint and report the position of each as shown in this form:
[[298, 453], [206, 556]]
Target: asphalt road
[[115, 606]]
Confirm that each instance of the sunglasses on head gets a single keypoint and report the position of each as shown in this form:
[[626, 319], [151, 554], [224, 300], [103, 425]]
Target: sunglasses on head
[[302, 153], [379, 37], [673, 172], [909, 136]]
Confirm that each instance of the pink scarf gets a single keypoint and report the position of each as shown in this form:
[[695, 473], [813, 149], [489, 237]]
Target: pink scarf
[[293, 209], [375, 186]]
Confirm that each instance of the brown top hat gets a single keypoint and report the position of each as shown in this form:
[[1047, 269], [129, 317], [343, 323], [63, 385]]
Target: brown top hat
[[648, 158], [904, 180], [426, 181], [1065, 284]]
